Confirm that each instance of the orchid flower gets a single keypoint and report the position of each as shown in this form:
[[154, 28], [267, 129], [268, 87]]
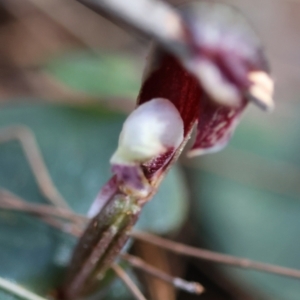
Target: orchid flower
[[226, 71]]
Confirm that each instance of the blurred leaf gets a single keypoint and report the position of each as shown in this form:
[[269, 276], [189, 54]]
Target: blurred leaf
[[103, 75], [76, 144], [248, 202]]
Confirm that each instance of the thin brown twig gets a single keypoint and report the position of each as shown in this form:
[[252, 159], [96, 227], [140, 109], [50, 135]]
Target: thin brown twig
[[50, 215], [71, 229], [136, 262], [128, 282], [10, 201], [214, 256], [67, 228], [36, 162], [35, 159], [75, 230]]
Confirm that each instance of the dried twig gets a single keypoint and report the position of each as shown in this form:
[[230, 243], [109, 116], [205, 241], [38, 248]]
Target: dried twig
[[73, 229], [179, 248], [18, 290], [50, 215], [10, 201], [214, 256], [136, 262], [67, 228], [25, 136], [129, 283]]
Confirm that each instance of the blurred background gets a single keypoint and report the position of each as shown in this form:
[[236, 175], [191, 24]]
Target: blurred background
[[72, 76]]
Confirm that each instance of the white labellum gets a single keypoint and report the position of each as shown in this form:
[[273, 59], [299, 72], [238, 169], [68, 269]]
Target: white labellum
[[150, 130]]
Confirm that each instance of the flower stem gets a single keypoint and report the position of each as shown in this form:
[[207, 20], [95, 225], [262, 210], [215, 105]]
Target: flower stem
[[99, 245]]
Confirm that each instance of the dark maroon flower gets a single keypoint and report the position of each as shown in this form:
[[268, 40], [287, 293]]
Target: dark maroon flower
[[209, 87], [231, 72], [225, 71]]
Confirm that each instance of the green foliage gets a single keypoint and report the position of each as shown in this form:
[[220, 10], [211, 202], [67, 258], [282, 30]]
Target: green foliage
[[248, 202], [8, 296], [97, 75]]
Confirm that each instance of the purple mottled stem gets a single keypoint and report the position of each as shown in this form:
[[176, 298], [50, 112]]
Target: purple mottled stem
[[101, 242], [106, 193]]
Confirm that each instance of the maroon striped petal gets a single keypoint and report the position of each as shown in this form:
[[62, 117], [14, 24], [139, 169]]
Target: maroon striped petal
[[167, 78], [215, 127]]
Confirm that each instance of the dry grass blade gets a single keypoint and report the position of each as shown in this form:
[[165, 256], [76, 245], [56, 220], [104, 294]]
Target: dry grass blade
[[213, 256], [129, 283], [25, 136], [10, 201], [51, 215], [191, 287], [73, 229]]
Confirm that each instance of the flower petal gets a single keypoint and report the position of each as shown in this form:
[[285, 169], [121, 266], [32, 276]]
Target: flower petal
[[226, 53], [167, 78], [105, 194], [230, 70], [215, 127]]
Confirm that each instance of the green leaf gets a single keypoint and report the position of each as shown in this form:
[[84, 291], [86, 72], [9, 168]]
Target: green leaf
[[8, 296], [167, 211], [97, 75], [76, 145]]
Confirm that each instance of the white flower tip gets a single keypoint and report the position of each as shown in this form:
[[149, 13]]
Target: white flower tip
[[261, 91], [150, 130]]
